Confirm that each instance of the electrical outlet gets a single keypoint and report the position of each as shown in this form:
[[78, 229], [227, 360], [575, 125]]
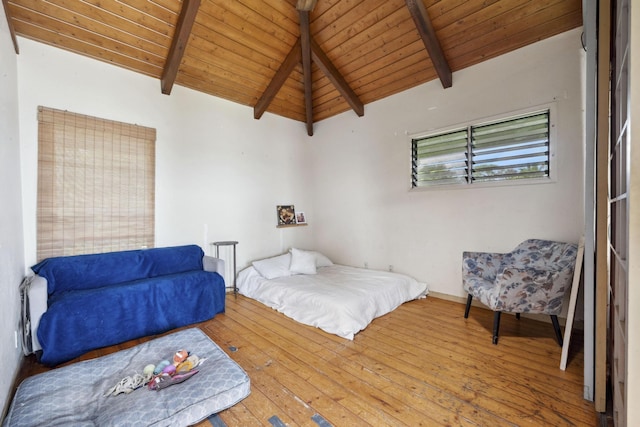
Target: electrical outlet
[[366, 264], [390, 267]]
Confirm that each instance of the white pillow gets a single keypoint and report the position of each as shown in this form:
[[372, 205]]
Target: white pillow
[[272, 268], [321, 260], [302, 262]]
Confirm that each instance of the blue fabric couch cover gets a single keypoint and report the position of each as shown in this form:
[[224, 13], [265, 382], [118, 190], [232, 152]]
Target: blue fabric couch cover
[[104, 299]]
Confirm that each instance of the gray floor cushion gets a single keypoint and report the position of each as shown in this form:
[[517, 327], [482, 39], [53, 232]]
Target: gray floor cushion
[[74, 395]]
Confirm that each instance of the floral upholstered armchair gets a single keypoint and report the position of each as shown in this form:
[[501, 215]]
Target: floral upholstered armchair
[[532, 278]]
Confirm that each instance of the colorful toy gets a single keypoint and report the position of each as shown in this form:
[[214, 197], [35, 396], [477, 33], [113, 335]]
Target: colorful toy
[[148, 370], [180, 356], [160, 366], [170, 369], [165, 380], [162, 375]]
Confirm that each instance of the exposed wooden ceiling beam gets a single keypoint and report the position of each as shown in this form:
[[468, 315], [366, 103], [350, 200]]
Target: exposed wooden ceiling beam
[[12, 31], [332, 73], [307, 50], [305, 45], [430, 40], [293, 58], [178, 44], [306, 5], [237, 46]]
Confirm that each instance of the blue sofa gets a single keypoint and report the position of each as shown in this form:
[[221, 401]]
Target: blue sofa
[[99, 300]]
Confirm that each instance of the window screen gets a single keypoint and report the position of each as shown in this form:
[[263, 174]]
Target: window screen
[[516, 148]]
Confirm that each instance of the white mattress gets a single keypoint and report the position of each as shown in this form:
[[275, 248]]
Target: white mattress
[[338, 299]]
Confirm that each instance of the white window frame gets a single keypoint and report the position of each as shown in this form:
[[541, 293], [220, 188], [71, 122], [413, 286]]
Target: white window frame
[[553, 163]]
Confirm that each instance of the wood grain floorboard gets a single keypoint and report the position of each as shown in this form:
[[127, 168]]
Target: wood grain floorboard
[[421, 365]]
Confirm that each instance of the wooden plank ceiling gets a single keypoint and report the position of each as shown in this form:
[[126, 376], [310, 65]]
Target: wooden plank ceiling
[[360, 50]]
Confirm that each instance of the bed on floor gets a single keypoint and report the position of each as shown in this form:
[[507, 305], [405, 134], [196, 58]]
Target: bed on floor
[[309, 288]]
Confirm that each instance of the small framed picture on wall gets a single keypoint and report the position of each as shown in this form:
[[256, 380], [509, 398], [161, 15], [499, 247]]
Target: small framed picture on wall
[[286, 214], [300, 218]]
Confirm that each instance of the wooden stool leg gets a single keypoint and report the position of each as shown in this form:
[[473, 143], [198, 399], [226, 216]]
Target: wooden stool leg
[[496, 326], [466, 310]]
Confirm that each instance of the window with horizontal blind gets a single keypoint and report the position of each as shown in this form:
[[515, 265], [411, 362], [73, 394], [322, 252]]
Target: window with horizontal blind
[[96, 185], [512, 149]]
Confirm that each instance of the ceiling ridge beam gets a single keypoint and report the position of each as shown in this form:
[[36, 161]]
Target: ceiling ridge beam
[[305, 47], [178, 44], [324, 63], [307, 51], [292, 59], [12, 30], [430, 40]]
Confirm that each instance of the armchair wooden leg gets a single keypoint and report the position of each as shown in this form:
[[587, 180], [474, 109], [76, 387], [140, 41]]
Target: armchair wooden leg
[[556, 328], [496, 326], [466, 310]]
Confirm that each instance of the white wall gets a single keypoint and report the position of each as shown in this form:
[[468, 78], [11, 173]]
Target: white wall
[[219, 172], [362, 170], [11, 247]]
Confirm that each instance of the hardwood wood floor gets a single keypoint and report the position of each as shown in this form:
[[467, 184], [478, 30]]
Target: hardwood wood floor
[[423, 364]]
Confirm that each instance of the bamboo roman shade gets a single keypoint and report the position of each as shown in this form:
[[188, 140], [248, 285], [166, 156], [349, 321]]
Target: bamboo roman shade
[[96, 185]]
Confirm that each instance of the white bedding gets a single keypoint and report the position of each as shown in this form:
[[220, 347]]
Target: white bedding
[[338, 299]]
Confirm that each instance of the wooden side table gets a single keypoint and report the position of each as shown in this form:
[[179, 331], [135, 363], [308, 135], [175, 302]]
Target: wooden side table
[[228, 243]]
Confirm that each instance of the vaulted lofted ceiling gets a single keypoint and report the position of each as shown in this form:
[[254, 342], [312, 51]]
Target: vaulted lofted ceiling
[[300, 59]]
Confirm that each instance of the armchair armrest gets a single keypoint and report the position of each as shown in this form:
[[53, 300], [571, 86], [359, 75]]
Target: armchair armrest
[[213, 264], [37, 297], [481, 264]]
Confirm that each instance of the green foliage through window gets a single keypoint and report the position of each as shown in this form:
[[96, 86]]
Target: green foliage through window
[[517, 148]]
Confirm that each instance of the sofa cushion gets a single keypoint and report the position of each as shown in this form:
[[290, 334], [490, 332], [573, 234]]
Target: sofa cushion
[[97, 270], [117, 313], [178, 259], [90, 271]]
